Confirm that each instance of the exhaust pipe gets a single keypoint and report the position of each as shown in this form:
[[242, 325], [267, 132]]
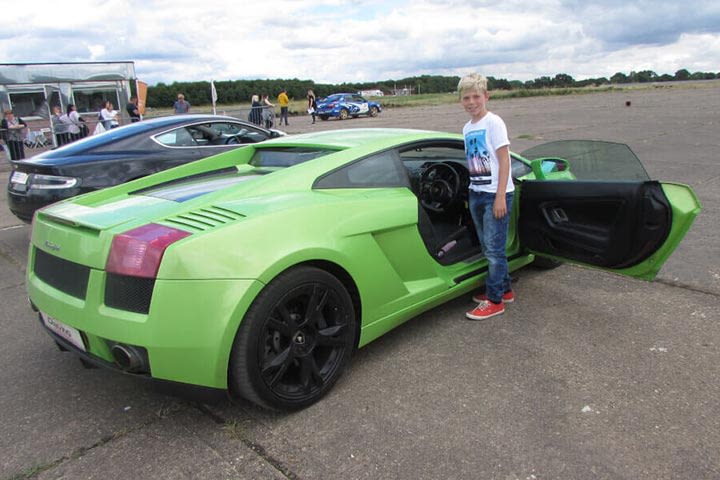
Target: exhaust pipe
[[129, 358]]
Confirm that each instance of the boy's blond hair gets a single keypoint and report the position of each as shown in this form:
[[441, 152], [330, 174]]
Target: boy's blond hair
[[473, 81]]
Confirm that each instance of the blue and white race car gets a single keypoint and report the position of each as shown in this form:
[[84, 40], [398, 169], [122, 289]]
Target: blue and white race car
[[344, 105]]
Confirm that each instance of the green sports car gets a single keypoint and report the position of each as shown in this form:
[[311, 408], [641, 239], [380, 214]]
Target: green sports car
[[259, 271]]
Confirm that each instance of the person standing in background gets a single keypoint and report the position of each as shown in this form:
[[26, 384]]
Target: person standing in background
[[108, 116], [268, 111], [255, 115], [59, 126], [284, 102], [181, 106], [12, 133], [312, 104], [133, 110], [73, 122]]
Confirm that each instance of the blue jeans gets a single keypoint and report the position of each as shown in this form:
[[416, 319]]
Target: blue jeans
[[492, 233]]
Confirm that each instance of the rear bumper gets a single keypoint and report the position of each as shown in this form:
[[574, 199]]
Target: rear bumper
[[188, 332], [24, 204], [187, 391]]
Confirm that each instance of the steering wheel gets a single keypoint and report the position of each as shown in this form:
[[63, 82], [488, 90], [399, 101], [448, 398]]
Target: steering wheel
[[440, 187], [237, 137]]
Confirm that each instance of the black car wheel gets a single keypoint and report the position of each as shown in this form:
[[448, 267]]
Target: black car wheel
[[323, 117], [295, 341], [373, 111], [343, 114]]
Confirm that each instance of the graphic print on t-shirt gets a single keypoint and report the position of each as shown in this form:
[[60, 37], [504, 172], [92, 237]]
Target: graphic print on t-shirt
[[478, 157]]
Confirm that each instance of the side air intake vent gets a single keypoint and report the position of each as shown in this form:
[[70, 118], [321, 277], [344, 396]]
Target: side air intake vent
[[204, 219]]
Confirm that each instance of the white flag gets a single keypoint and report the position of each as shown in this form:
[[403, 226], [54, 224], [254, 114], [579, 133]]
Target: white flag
[[213, 94]]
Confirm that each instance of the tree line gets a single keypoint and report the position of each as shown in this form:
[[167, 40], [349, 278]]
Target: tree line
[[231, 92]]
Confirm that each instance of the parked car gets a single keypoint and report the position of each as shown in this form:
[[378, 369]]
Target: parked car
[[345, 105], [261, 270], [121, 154]]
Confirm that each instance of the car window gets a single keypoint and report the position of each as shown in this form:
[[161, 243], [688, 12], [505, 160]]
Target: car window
[[285, 157], [244, 133], [593, 160], [211, 134], [381, 170], [204, 134], [415, 159], [518, 168], [179, 137]]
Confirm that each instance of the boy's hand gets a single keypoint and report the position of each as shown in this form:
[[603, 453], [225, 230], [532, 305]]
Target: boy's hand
[[499, 206]]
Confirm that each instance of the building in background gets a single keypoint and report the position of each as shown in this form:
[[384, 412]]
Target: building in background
[[32, 89]]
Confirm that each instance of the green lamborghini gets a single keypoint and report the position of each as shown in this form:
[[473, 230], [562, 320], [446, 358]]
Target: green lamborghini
[[259, 271]]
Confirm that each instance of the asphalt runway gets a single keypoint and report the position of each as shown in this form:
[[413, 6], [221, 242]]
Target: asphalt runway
[[587, 375]]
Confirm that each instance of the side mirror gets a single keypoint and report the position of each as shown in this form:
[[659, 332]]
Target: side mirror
[[542, 166]]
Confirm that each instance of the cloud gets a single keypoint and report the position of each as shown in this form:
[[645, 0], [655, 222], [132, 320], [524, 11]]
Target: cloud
[[335, 41]]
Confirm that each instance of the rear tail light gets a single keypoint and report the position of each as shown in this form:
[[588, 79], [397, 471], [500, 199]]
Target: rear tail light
[[51, 182], [138, 252]]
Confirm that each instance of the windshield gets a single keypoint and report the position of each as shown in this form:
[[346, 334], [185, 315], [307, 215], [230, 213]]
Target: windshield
[[593, 160]]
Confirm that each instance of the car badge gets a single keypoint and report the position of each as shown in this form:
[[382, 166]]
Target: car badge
[[52, 246]]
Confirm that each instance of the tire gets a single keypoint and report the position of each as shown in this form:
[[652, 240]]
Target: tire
[[344, 114], [373, 112], [323, 117], [294, 342]]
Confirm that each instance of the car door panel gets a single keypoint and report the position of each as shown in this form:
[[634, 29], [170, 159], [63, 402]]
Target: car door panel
[[628, 227]]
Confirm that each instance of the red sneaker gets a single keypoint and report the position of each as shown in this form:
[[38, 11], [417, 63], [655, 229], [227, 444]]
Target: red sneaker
[[485, 310], [508, 297]]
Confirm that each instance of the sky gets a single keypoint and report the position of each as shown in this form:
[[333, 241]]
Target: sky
[[337, 41]]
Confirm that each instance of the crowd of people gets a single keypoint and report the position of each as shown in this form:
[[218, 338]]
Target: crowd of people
[[262, 111], [68, 126]]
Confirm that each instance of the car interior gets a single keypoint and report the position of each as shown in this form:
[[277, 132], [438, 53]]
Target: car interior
[[208, 134], [439, 178], [437, 174]]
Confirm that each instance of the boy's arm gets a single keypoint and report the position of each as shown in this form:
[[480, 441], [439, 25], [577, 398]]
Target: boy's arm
[[500, 204]]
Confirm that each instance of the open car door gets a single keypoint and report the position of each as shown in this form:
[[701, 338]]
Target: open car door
[[612, 216]]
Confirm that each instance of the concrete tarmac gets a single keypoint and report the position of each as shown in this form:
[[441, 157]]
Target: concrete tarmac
[[587, 375]]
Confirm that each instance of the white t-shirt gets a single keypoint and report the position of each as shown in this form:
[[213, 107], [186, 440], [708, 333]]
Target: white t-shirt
[[109, 116], [482, 139]]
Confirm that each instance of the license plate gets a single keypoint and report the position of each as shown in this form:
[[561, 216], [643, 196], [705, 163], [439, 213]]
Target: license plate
[[67, 332], [19, 177]]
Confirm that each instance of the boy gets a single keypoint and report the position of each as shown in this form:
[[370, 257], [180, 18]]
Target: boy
[[487, 149]]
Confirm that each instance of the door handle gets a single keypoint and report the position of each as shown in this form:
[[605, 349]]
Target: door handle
[[558, 215]]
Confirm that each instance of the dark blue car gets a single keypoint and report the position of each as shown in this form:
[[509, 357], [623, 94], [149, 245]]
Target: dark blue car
[[123, 154], [344, 105]]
